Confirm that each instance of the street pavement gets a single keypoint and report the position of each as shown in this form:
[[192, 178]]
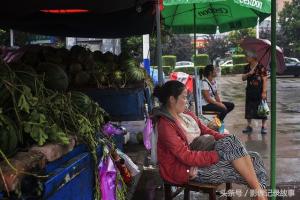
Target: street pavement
[[288, 141]]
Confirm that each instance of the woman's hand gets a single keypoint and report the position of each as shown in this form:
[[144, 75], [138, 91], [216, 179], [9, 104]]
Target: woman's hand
[[264, 88], [252, 71], [264, 95]]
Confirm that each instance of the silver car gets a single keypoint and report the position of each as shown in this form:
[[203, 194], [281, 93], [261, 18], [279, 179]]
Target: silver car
[[292, 66], [184, 64]]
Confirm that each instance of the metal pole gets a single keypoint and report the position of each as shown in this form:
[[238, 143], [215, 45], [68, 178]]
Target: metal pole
[[11, 37], [158, 45], [146, 52], [257, 28], [197, 98], [273, 98]]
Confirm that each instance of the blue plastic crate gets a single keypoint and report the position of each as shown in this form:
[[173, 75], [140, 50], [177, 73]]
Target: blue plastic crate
[[73, 181], [122, 104], [72, 176]]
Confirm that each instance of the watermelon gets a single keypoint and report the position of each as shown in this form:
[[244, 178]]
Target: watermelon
[[81, 78], [55, 77], [50, 55], [81, 101], [75, 67]]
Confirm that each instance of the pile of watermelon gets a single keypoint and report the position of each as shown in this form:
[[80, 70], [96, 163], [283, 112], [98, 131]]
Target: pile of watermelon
[[78, 67]]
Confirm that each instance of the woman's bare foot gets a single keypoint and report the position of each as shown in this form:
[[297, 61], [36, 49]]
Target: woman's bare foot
[[261, 194]]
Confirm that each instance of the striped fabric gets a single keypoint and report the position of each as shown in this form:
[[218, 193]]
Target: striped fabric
[[231, 148]]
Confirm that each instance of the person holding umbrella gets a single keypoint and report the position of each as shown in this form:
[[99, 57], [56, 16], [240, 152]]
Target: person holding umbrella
[[256, 90]]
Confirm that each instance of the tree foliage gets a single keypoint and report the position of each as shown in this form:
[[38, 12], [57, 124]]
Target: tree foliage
[[179, 45], [215, 46], [134, 46], [235, 38], [289, 20], [20, 38]]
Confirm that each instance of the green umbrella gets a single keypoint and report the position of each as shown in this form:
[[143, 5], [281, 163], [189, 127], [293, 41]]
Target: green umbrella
[[183, 16], [208, 16]]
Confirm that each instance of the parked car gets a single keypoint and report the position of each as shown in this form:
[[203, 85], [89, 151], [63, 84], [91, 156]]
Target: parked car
[[227, 63], [184, 64], [292, 66], [291, 60]]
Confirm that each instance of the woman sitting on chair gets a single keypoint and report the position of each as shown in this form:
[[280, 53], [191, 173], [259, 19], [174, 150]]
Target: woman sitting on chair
[[188, 150], [210, 95]]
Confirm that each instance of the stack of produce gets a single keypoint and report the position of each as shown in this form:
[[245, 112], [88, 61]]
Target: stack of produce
[[33, 114], [79, 67]]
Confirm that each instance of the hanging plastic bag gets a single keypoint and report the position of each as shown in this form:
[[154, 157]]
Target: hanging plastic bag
[[147, 134], [263, 109], [107, 178], [266, 107], [133, 168], [110, 129]]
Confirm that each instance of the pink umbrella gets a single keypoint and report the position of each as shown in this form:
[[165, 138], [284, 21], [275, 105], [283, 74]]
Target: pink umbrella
[[262, 49]]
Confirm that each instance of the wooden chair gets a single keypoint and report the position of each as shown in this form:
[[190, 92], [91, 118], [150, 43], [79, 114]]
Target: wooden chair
[[209, 113], [192, 186]]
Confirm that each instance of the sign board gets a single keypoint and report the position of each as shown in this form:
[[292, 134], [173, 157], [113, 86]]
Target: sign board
[[42, 39]]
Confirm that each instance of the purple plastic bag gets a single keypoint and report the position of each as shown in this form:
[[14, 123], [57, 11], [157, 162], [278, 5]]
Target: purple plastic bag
[[110, 130], [147, 134], [107, 178]]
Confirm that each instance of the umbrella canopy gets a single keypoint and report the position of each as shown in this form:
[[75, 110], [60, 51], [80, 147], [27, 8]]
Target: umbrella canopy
[[225, 15], [262, 49], [79, 18]]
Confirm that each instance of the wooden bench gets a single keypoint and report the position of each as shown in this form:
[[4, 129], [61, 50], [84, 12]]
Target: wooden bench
[[209, 113], [192, 186]]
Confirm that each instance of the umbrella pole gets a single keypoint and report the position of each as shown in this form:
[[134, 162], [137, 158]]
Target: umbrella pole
[[158, 45], [273, 98], [197, 96]]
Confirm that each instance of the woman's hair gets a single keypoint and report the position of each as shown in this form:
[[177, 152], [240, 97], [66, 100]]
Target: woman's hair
[[207, 70], [170, 88]]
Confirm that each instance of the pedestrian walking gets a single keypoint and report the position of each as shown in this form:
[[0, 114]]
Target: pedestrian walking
[[256, 90]]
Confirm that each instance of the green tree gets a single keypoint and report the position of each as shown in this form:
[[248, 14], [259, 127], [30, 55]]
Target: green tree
[[215, 47], [4, 37], [289, 20], [134, 45], [179, 45], [235, 38], [20, 38]]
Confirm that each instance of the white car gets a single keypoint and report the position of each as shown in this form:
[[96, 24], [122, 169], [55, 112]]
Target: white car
[[227, 63], [184, 64], [292, 67], [289, 60]]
